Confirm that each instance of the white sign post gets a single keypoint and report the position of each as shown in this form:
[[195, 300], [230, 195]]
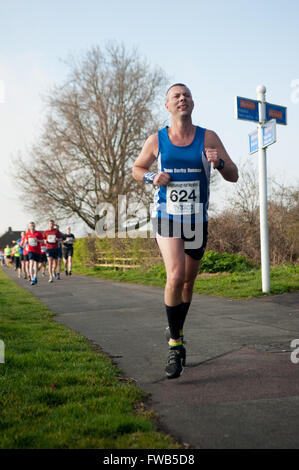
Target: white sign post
[[261, 112], [264, 233]]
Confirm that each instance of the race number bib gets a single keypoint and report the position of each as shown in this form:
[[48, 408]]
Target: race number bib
[[32, 241], [69, 239], [182, 197], [43, 248], [51, 238]]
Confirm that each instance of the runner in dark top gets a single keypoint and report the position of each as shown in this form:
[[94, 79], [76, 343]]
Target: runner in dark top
[[68, 250]]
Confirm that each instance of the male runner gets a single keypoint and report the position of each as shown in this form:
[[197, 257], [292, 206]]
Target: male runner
[[12, 257], [7, 255], [17, 258], [52, 237], [185, 153], [19, 241], [59, 256], [68, 251], [24, 244], [34, 238]]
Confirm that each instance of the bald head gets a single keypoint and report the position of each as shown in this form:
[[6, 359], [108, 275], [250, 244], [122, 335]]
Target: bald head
[[180, 85]]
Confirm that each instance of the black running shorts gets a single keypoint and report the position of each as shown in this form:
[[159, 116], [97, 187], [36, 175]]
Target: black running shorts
[[43, 258], [34, 256], [68, 251], [178, 231]]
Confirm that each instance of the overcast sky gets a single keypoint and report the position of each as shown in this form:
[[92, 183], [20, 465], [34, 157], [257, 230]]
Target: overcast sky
[[219, 48]]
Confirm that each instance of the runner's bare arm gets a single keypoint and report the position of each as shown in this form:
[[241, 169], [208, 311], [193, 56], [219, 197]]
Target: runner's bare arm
[[146, 158], [215, 150]]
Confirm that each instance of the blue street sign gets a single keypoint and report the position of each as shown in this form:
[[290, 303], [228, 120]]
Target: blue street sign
[[246, 109], [253, 142], [273, 111], [269, 133]]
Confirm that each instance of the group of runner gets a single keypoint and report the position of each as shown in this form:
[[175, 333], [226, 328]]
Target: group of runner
[[185, 154], [34, 250]]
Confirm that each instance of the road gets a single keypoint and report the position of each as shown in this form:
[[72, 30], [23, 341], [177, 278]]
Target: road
[[240, 388]]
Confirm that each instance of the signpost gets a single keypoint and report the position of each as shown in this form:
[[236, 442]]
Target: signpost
[[246, 109], [267, 115], [273, 111], [253, 142], [269, 133]]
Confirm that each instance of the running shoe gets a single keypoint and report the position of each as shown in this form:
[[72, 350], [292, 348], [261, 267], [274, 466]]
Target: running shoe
[[32, 282], [70, 273], [175, 362], [50, 279], [57, 276], [66, 273], [43, 274]]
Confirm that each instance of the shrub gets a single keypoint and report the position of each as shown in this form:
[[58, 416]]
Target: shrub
[[213, 262]]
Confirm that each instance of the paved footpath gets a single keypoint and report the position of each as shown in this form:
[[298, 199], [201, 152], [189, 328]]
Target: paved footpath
[[239, 389]]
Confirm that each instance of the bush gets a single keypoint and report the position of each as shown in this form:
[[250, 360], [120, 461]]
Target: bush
[[88, 251], [80, 251], [213, 262]]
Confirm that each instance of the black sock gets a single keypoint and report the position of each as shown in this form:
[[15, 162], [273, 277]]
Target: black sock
[[174, 320], [184, 310]]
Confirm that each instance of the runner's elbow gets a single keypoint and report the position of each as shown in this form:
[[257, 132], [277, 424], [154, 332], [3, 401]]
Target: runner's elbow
[[136, 173], [234, 178]]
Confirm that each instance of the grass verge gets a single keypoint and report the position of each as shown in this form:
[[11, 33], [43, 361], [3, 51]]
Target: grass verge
[[57, 392], [236, 285]]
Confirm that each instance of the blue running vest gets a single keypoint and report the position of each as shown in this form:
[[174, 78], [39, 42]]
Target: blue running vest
[[189, 172]]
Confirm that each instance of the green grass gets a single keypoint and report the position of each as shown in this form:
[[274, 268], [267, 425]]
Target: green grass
[[236, 285], [56, 391]]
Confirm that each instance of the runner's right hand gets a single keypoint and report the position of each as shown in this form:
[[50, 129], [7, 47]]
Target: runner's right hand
[[161, 179]]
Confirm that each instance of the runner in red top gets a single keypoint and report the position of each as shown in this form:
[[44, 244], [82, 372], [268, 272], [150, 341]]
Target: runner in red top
[[33, 238], [52, 237], [24, 244], [23, 258]]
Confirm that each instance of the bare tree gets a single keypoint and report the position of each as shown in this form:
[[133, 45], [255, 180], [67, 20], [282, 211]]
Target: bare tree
[[96, 124], [244, 198]]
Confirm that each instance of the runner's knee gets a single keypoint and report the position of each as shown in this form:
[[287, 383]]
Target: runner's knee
[[188, 284], [175, 281]]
